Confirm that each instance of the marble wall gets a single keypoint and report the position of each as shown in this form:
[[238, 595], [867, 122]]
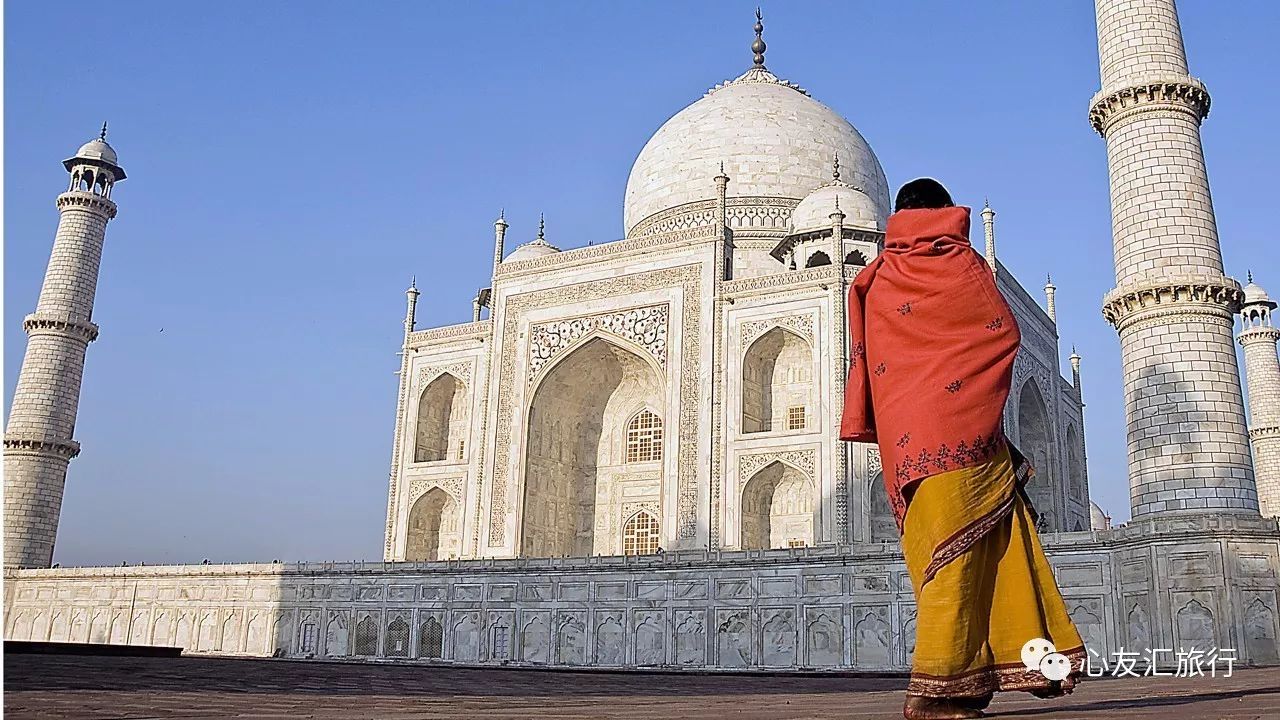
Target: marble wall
[[1175, 582]]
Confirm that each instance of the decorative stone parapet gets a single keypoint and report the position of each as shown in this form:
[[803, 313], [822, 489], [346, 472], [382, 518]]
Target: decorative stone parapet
[[1184, 95], [1258, 334], [87, 201], [742, 213], [40, 445], [1156, 297], [43, 323]]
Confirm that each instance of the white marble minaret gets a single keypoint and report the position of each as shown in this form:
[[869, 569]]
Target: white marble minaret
[[38, 442], [1258, 336], [1172, 306]]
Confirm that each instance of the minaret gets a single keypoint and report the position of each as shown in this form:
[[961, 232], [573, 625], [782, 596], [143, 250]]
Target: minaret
[[499, 238], [402, 402], [989, 230], [1258, 336], [38, 444], [1075, 374], [1172, 306], [1050, 299]]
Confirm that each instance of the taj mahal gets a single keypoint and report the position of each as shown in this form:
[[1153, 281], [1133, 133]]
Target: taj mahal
[[630, 456]]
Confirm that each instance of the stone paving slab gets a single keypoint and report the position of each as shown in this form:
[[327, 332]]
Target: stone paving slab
[[41, 686]]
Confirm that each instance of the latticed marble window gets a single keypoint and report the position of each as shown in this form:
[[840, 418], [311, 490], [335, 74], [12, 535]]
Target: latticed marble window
[[796, 417], [367, 637], [501, 642], [644, 438], [431, 639], [308, 637], [640, 535], [397, 643]]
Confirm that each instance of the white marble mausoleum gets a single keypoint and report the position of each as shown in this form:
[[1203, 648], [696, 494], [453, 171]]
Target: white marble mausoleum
[[630, 457]]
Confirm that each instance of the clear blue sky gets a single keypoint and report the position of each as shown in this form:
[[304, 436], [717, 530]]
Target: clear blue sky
[[292, 163]]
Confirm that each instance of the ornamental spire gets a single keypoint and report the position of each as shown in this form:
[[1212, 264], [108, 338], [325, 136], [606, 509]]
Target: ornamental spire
[[103, 135], [835, 169], [542, 226], [758, 46]]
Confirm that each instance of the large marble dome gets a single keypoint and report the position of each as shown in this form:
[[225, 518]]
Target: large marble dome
[[776, 143]]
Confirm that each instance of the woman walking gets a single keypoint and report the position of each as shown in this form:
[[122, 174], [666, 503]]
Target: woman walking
[[931, 362]]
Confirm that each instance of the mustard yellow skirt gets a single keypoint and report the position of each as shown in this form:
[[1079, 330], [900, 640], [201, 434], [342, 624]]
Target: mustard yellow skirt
[[983, 586]]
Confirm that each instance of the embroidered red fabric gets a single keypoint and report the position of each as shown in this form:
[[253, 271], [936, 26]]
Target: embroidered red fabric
[[932, 343]]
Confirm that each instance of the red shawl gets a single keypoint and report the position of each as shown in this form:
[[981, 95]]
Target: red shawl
[[932, 343]]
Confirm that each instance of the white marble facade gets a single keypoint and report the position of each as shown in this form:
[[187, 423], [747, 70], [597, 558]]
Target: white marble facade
[[519, 435]]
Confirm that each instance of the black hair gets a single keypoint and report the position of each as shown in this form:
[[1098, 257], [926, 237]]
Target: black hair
[[922, 193]]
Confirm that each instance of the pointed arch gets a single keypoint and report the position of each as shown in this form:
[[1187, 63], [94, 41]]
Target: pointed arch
[[443, 411], [1034, 440], [778, 508], [818, 259], [882, 526], [777, 382], [432, 532], [640, 534], [577, 444], [644, 437]]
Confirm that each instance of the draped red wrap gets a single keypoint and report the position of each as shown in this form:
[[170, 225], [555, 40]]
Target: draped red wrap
[[932, 343]]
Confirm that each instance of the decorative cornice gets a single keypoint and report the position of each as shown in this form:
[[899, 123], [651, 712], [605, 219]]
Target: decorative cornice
[[44, 323], [758, 75], [1269, 432], [747, 212], [449, 332], [644, 326], [615, 248], [1260, 334], [86, 201], [802, 325], [803, 460], [41, 445], [1184, 95], [808, 276], [460, 370], [1203, 294]]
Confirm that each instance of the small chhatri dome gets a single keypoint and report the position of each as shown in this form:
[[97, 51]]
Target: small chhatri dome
[[1098, 518], [1255, 295], [776, 143], [98, 152], [815, 210], [534, 248]]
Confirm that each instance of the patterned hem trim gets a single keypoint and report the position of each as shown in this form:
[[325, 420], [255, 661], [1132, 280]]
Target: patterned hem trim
[[998, 678], [954, 546]]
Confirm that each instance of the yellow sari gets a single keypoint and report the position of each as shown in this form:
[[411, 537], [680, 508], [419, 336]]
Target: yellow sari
[[983, 586]]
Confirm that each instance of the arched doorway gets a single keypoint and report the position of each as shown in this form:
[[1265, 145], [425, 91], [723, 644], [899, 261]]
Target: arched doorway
[[1075, 465], [442, 421], [777, 383], [433, 528], [1033, 441], [883, 526], [778, 506], [594, 440]]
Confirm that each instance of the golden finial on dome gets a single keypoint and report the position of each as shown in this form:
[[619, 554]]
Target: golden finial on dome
[[758, 46]]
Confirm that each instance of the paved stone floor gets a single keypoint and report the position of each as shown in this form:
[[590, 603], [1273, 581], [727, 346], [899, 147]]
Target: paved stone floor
[[43, 686]]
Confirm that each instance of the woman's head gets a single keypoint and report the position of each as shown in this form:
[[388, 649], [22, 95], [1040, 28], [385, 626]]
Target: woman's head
[[922, 194]]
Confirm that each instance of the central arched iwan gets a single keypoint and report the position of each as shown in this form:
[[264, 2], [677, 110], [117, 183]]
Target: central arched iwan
[[594, 444]]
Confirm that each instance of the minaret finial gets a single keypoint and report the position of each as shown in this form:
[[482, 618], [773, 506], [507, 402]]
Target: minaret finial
[[103, 135], [758, 46], [1048, 279], [986, 202], [413, 282], [1250, 274], [542, 225], [502, 213], [835, 168]]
